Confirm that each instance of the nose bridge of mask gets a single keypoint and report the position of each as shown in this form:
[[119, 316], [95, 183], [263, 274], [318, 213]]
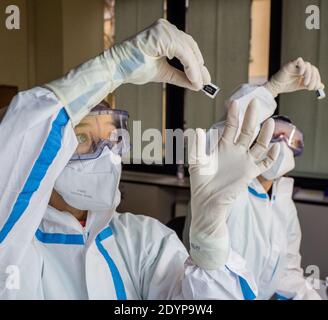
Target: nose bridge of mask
[[103, 164]]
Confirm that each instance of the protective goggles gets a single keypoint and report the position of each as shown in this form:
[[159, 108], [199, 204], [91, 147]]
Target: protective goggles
[[102, 127], [285, 131]]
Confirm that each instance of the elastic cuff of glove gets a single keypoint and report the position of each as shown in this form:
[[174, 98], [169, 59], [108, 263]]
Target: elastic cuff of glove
[[87, 85], [271, 88], [76, 116], [210, 258]]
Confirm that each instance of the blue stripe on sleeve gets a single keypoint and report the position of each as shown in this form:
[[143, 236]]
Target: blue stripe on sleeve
[[38, 172], [117, 279], [246, 290]]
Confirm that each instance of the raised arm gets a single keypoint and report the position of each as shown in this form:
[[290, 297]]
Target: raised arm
[[37, 140], [37, 133]]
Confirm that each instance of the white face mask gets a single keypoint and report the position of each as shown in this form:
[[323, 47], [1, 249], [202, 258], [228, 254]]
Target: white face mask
[[91, 184], [282, 165]]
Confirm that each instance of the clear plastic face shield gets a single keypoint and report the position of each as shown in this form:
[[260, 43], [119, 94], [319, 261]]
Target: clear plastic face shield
[[286, 131], [102, 127]]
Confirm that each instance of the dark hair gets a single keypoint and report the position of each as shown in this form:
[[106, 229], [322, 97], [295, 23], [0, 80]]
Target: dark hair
[[103, 105], [282, 118]]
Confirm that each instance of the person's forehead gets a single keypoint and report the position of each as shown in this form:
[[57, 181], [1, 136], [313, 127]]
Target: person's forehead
[[95, 120], [283, 126], [105, 118], [286, 128]]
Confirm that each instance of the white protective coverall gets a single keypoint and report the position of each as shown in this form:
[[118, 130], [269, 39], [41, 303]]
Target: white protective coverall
[[265, 231], [116, 256]]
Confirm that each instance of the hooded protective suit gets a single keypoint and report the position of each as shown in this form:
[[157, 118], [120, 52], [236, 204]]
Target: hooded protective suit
[[265, 231], [47, 254]]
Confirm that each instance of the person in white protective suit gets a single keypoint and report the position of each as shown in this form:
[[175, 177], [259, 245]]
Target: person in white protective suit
[[60, 235], [263, 223]]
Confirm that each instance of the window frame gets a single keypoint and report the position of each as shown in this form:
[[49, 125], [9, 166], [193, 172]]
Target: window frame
[[174, 97]]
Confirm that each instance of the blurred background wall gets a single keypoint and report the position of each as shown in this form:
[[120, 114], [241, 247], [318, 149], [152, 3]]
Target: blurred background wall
[[55, 36]]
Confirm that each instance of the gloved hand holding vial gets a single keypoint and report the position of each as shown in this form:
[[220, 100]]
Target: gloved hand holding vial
[[80, 247], [217, 178], [138, 60], [294, 76]]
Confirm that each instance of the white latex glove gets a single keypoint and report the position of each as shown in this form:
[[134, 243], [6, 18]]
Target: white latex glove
[[293, 76], [217, 179], [150, 49], [138, 60]]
